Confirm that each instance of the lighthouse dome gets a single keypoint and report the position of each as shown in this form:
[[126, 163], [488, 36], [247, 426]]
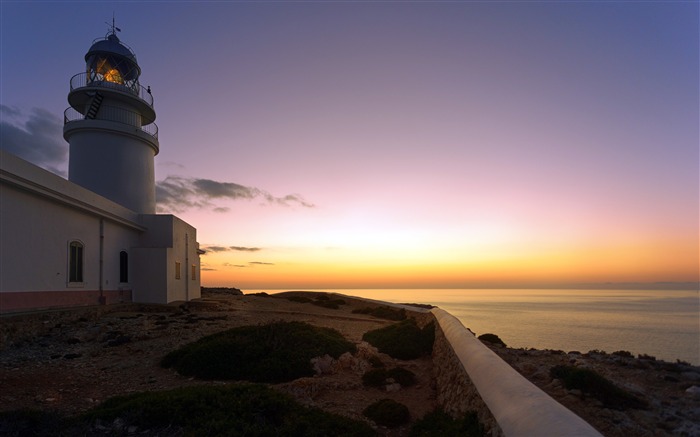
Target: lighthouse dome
[[112, 61]]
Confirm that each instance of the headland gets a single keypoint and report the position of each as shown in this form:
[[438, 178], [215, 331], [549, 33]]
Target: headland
[[69, 361]]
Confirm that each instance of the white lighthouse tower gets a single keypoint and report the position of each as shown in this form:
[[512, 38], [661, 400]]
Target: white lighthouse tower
[[110, 128]]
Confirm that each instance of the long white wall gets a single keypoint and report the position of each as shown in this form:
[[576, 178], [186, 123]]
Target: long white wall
[[471, 377], [36, 232], [519, 407]]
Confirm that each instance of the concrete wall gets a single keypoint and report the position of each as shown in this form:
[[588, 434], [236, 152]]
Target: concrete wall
[[518, 407], [37, 223], [41, 213], [456, 394], [167, 242], [114, 160], [471, 377]]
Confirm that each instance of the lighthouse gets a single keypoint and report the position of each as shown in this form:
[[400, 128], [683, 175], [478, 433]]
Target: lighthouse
[[95, 238], [110, 127]]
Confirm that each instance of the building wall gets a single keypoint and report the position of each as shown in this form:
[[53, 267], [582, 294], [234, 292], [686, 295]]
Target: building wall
[[109, 159], [34, 255], [168, 242], [41, 213]]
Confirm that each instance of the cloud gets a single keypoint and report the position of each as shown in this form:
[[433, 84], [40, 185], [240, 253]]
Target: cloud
[[245, 249], [215, 248], [37, 138], [235, 265], [258, 263], [179, 194], [230, 248]]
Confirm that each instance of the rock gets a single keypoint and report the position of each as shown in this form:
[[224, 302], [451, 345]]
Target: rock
[[691, 376], [693, 391], [118, 424], [322, 365], [390, 388]]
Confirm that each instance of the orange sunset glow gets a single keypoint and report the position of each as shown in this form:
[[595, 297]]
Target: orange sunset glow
[[412, 145]]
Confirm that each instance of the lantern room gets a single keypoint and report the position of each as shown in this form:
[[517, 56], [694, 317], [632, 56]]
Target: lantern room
[[108, 60]]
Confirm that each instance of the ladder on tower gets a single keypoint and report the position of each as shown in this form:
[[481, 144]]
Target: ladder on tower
[[95, 103]]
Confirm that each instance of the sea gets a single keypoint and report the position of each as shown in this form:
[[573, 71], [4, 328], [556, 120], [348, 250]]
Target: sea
[[664, 324]]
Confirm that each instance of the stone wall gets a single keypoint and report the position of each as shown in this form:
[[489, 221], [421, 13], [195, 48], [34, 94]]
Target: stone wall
[[456, 393], [471, 376]]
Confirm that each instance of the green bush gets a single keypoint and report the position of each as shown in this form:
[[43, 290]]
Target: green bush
[[492, 338], [383, 312], [403, 340], [379, 377], [250, 409], [242, 409], [374, 377], [31, 423], [328, 303], [596, 385], [375, 362], [272, 353], [388, 412], [299, 299], [440, 424]]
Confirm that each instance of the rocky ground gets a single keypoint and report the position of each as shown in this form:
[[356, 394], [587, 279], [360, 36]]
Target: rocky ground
[[69, 361], [672, 390]]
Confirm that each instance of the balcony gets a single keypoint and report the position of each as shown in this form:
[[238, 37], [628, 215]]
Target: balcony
[[116, 115], [80, 80]]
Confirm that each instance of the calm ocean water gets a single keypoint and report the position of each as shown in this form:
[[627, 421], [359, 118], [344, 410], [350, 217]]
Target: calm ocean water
[[661, 323]]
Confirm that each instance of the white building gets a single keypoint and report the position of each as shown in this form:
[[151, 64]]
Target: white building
[[95, 238]]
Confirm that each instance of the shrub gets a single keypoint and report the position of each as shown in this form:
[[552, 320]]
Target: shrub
[[273, 353], [625, 354], [374, 377], [388, 412], [440, 424], [380, 377], [299, 299], [591, 382], [403, 340], [375, 362], [249, 409], [383, 312], [403, 376], [492, 338], [327, 303], [31, 423]]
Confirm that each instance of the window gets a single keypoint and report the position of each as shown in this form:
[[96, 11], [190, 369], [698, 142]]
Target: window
[[75, 261], [194, 272], [177, 269], [123, 266]]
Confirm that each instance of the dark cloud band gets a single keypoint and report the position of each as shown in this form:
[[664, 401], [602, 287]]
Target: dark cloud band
[[37, 138], [178, 194]]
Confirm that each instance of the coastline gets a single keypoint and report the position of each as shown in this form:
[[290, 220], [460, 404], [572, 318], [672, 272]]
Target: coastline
[[52, 360], [659, 323]]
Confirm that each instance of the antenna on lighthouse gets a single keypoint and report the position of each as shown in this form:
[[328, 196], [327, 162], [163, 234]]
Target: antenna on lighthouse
[[113, 29]]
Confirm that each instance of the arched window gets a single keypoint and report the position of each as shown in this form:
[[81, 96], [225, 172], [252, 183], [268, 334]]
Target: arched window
[[75, 261], [123, 266]]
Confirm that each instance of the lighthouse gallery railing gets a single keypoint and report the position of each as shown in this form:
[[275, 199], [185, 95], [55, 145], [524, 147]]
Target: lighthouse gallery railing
[[80, 81], [113, 114]]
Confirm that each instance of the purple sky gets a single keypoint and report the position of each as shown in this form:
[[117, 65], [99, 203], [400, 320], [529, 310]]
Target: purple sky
[[439, 143]]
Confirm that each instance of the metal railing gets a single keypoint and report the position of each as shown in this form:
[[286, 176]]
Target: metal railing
[[80, 80], [116, 115]]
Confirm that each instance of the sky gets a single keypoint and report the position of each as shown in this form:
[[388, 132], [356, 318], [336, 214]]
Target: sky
[[398, 144]]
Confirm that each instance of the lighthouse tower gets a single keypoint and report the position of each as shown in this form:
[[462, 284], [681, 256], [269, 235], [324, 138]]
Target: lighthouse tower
[[110, 128]]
